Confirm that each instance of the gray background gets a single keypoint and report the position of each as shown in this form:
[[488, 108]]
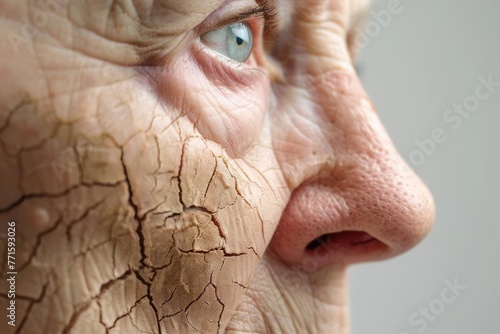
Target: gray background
[[428, 58]]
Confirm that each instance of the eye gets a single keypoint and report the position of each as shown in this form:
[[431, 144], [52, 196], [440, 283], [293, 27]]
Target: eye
[[234, 41]]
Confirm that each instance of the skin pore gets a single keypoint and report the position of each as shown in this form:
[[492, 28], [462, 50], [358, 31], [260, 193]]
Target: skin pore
[[159, 187]]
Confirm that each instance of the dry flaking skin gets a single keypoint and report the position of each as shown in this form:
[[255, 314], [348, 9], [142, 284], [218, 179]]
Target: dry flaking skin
[[127, 219], [154, 231], [158, 188], [142, 227]]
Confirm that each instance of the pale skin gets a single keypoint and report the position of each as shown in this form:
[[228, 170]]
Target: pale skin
[[157, 187]]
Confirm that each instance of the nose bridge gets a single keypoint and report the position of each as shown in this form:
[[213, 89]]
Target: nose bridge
[[319, 63], [319, 38], [363, 167], [351, 125], [322, 87], [381, 191]]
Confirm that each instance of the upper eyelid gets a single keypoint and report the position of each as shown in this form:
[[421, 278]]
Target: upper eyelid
[[241, 16], [262, 10]]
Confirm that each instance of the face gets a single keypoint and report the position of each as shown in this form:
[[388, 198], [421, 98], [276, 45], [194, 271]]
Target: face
[[193, 166]]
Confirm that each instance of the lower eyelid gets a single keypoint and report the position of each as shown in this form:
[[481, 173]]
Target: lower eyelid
[[220, 69]]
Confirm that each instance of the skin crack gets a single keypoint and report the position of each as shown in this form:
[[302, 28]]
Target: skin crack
[[39, 242], [78, 312], [140, 234], [135, 209], [150, 298], [125, 315], [66, 192], [179, 176], [30, 306], [221, 179]]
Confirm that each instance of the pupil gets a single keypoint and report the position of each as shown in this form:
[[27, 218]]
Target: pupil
[[239, 40]]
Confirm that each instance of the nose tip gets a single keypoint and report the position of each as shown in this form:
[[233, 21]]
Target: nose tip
[[371, 211]]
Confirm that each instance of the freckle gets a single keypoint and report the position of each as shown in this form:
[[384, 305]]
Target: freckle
[[41, 218]]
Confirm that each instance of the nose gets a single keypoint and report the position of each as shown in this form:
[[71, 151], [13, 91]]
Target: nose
[[353, 197]]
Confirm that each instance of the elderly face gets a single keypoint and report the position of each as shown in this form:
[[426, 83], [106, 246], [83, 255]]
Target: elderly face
[[193, 166]]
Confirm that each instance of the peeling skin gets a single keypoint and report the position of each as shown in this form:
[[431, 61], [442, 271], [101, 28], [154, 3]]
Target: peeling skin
[[159, 189]]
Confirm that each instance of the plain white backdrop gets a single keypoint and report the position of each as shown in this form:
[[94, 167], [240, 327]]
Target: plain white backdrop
[[427, 59]]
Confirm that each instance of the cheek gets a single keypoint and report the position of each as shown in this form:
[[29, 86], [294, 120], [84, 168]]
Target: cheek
[[216, 241], [225, 104]]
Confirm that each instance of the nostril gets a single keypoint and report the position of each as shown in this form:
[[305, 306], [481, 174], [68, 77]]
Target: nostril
[[344, 238], [319, 241]]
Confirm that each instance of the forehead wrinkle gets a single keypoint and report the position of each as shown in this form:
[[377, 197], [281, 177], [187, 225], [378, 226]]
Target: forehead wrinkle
[[183, 14], [354, 9]]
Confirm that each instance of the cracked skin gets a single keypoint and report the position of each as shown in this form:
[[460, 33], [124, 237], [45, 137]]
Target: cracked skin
[[157, 188]]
